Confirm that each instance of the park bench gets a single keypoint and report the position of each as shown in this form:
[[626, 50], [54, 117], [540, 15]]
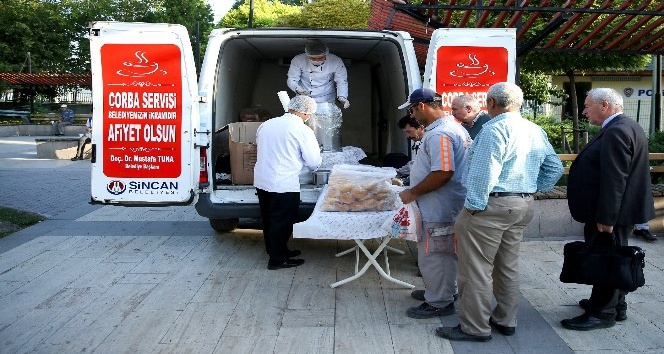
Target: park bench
[[52, 117], [560, 192], [652, 157], [8, 113]]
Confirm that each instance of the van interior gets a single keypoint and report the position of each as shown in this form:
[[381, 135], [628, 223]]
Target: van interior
[[253, 69]]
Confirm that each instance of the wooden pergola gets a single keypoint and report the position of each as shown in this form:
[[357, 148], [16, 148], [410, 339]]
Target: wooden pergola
[[33, 81], [83, 80], [607, 26]]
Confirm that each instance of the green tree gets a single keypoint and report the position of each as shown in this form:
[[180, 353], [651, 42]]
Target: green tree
[[266, 14], [196, 15], [34, 38], [83, 13], [55, 33], [37, 28], [571, 63], [537, 88], [351, 14]]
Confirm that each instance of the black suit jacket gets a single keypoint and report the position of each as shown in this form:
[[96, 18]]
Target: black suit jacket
[[609, 181]]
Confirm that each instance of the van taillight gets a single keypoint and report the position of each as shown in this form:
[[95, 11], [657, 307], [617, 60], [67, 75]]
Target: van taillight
[[203, 177]]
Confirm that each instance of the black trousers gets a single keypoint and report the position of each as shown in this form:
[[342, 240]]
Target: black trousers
[[605, 300], [278, 214]]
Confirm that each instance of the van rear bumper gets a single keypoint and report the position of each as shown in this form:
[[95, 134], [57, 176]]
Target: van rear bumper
[[206, 208]]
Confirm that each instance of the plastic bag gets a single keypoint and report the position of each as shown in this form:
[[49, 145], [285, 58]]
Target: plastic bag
[[405, 223], [360, 188]]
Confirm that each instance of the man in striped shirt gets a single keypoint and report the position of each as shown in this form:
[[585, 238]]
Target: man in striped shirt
[[437, 178]]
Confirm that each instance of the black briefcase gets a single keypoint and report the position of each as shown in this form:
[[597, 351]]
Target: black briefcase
[[617, 267]]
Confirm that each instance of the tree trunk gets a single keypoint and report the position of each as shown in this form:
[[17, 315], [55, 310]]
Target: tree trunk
[[575, 111]]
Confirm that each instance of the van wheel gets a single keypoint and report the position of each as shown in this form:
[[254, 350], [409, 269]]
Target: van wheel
[[224, 225]]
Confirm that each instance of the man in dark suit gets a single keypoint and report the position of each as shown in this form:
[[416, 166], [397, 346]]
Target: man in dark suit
[[609, 190]]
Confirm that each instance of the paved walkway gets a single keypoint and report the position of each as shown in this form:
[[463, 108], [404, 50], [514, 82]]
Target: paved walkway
[[103, 279]]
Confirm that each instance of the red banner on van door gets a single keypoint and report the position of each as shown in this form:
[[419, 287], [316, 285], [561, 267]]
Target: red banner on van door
[[468, 70], [142, 113]]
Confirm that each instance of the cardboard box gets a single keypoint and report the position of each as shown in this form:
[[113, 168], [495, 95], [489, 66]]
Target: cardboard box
[[242, 146]]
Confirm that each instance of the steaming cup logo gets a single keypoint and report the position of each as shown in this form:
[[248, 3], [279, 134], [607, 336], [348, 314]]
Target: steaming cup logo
[[472, 70], [628, 91], [140, 68], [116, 187]]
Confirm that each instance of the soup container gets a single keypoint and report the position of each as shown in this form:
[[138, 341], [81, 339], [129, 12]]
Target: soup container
[[321, 177]]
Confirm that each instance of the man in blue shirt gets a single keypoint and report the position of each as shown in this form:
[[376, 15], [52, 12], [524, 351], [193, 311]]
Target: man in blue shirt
[[510, 159], [66, 118]]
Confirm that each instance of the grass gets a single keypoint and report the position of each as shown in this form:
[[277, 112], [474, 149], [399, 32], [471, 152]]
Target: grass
[[12, 220]]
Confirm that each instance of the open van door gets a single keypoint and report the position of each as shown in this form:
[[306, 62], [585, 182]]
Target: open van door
[[467, 61], [144, 94]]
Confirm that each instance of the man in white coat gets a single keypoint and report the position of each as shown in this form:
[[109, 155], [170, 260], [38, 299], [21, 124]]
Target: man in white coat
[[284, 145], [319, 74], [322, 76]]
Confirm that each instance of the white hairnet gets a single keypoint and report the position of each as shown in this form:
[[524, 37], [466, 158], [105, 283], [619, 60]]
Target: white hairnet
[[315, 47], [302, 104]]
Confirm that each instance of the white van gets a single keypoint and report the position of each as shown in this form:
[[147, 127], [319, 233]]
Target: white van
[[159, 136]]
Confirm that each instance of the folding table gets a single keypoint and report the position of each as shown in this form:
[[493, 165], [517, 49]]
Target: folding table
[[356, 226]]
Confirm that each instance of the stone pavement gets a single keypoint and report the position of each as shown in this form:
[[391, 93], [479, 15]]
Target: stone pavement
[[105, 279]]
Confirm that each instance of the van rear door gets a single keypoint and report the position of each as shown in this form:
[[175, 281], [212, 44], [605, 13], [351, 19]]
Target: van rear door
[[144, 97], [467, 61]]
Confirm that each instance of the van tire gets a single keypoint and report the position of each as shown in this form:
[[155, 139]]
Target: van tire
[[224, 225]]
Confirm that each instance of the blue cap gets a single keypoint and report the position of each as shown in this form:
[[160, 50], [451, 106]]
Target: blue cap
[[421, 95]]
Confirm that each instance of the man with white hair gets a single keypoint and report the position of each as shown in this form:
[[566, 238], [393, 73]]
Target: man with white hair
[[509, 160], [66, 118], [608, 189], [285, 144], [467, 110]]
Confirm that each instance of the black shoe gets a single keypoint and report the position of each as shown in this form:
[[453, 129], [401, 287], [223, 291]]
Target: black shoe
[[419, 295], [645, 234], [289, 263], [504, 330], [621, 312], [588, 322], [455, 333], [293, 253], [76, 158], [427, 311]]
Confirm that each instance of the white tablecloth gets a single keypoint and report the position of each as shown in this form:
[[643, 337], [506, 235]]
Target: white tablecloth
[[342, 225]]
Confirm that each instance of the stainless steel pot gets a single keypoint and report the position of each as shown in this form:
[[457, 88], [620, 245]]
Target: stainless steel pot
[[321, 177]]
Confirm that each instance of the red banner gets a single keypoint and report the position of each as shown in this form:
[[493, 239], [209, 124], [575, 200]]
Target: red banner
[[468, 70], [142, 113]]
